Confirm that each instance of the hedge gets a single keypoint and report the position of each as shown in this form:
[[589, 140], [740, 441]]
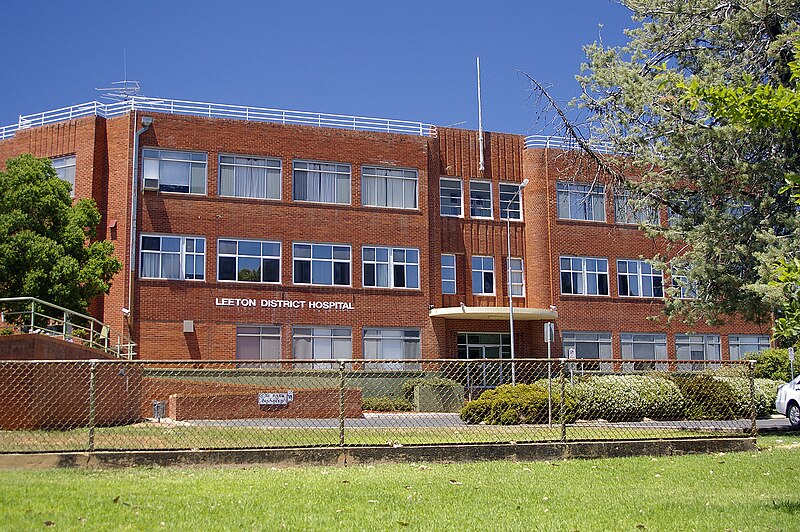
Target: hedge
[[773, 364], [512, 405], [386, 404], [409, 385], [628, 398]]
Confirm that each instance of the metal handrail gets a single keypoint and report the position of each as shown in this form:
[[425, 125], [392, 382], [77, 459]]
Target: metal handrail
[[40, 317], [219, 110], [565, 143]]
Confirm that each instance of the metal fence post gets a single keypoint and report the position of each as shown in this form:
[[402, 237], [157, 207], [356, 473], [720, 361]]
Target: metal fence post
[[341, 403], [751, 377], [33, 315], [562, 403], [92, 400]]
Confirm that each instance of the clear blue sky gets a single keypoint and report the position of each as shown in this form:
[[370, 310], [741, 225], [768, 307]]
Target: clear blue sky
[[410, 60]]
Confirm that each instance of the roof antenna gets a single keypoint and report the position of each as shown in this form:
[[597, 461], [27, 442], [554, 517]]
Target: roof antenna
[[480, 119], [124, 90]]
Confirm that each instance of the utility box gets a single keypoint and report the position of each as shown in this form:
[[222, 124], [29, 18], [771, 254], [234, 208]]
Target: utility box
[[438, 398], [159, 409]]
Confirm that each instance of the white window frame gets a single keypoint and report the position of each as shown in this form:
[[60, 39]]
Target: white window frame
[[482, 271], [154, 158], [338, 169], [391, 263], [566, 194], [686, 290], [375, 340], [324, 341], [690, 342], [640, 277], [182, 253], [311, 260], [472, 200], [271, 332], [442, 197], [584, 275], [575, 339], [625, 214], [405, 177], [517, 191], [240, 162], [517, 276], [737, 342], [237, 256], [449, 268], [632, 345], [65, 168]]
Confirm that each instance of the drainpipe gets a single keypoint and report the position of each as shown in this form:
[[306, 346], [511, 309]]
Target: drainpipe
[[147, 121]]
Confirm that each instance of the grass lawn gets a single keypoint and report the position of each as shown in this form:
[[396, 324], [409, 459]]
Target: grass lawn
[[738, 491]]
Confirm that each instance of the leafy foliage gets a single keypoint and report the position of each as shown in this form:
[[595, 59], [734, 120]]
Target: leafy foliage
[[716, 175], [386, 404], [773, 364], [513, 405], [628, 398], [46, 242]]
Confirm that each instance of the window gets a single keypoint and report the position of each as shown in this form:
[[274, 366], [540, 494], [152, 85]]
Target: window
[[510, 201], [485, 346], [321, 182], [450, 197], [644, 347], [321, 343], [685, 289], [173, 257], [391, 344], [254, 342], [586, 344], [249, 177], [175, 171], [65, 169], [448, 274], [577, 201], [744, 346], [696, 347], [626, 213], [636, 278], [480, 199], [517, 278], [483, 275], [388, 187], [390, 267], [584, 276], [252, 261], [322, 264]]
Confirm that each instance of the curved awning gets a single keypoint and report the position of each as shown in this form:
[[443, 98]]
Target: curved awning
[[493, 313]]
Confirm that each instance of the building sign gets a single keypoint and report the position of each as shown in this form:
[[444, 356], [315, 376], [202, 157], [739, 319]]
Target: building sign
[[282, 303], [275, 398]]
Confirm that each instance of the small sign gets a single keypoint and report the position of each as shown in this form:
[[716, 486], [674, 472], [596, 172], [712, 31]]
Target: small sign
[[549, 332], [791, 354], [275, 398], [571, 353]]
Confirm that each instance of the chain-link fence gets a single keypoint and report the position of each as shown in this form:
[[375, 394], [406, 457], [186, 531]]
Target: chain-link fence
[[118, 405]]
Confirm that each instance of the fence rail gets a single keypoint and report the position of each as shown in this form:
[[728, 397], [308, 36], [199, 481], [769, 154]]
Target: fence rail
[[32, 315], [138, 405], [565, 143], [219, 110]]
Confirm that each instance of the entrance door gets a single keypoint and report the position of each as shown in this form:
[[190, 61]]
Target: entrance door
[[485, 346]]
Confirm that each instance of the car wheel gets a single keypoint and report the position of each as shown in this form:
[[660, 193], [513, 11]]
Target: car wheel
[[793, 413]]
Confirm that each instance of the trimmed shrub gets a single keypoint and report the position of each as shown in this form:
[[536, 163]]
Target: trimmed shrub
[[773, 364], [408, 386], [628, 398], [707, 397], [386, 404], [514, 405]]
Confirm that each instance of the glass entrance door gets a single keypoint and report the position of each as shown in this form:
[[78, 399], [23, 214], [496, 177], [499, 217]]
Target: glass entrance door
[[485, 346]]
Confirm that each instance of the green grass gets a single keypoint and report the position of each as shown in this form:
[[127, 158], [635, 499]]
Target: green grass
[[739, 491], [163, 436]]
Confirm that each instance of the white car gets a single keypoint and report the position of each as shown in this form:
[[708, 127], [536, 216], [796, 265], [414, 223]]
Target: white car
[[788, 401]]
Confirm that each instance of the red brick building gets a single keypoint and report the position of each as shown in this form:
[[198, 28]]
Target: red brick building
[[255, 233]]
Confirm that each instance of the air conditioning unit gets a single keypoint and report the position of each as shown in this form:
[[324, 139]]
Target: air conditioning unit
[[150, 184]]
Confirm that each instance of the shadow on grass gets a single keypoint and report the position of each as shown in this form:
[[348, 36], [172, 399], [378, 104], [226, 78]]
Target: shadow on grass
[[786, 506]]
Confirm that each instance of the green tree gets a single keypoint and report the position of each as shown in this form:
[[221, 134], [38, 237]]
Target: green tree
[[47, 246], [721, 180]]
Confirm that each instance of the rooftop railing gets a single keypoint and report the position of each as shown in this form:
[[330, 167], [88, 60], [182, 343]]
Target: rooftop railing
[[218, 110], [564, 143]]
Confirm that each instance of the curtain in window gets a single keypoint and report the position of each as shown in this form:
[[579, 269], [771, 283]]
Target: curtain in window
[[327, 187], [151, 266], [170, 265]]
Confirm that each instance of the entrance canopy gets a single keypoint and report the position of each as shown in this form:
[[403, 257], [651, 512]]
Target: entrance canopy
[[493, 313]]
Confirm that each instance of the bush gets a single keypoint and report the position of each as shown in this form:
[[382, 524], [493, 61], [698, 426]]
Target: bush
[[513, 405], [386, 404], [773, 364], [408, 386], [708, 397], [628, 398]]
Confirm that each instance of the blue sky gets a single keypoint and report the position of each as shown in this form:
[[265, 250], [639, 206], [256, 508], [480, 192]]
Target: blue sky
[[411, 60]]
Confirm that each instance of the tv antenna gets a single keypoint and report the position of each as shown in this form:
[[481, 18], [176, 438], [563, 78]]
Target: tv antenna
[[120, 91]]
